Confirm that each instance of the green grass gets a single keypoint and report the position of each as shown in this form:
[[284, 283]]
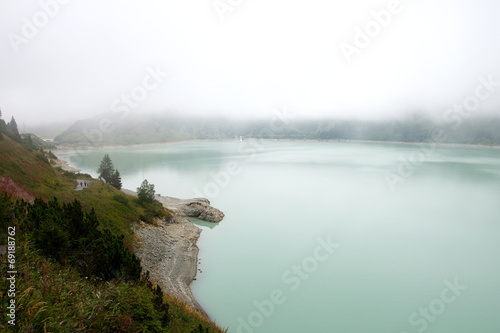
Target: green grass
[[23, 166], [52, 296], [116, 210], [55, 298]]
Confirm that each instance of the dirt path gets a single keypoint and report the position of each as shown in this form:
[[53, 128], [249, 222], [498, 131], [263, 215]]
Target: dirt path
[[81, 184]]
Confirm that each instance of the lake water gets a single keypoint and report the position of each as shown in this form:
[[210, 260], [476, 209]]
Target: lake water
[[335, 237]]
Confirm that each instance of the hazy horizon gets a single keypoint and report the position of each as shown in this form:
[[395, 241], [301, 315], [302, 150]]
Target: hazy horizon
[[62, 61]]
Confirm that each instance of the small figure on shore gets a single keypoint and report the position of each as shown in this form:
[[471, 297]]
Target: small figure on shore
[[85, 183], [81, 184]]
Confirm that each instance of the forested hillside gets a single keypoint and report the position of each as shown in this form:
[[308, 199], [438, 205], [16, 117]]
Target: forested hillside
[[112, 130]]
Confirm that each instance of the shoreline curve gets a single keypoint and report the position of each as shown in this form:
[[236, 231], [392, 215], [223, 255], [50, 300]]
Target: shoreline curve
[[168, 250]]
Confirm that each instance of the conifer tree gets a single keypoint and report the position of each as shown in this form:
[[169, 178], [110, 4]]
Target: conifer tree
[[116, 180], [106, 169], [2, 125], [13, 132]]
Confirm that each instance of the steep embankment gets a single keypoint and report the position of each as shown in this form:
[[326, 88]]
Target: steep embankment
[[168, 249], [32, 170], [53, 295]]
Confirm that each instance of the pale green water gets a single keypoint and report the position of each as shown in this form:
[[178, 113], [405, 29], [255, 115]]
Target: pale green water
[[396, 248]]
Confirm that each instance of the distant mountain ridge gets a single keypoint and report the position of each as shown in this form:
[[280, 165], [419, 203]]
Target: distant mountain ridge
[[110, 129]]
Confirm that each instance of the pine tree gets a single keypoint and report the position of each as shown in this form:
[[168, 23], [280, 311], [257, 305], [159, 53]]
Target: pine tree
[[116, 180], [146, 192], [106, 169], [12, 130], [13, 125], [3, 126]]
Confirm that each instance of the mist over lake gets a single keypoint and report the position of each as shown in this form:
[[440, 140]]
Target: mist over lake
[[367, 200], [316, 239]]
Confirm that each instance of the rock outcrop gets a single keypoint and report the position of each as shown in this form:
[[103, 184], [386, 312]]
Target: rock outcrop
[[168, 250], [198, 208]]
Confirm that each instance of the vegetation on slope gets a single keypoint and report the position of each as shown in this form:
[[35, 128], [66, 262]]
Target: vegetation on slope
[[155, 128], [75, 272], [33, 171]]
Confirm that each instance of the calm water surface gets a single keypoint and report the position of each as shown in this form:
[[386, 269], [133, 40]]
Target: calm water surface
[[419, 257]]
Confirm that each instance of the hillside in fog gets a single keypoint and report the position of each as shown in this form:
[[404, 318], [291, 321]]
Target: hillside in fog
[[111, 130]]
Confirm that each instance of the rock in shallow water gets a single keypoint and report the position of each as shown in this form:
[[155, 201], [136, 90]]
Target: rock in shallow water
[[202, 211], [198, 208]]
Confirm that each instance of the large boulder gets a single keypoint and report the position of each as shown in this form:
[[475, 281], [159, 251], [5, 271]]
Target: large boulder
[[200, 208]]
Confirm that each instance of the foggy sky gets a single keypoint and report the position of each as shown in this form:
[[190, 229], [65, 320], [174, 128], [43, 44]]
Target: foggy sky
[[263, 54]]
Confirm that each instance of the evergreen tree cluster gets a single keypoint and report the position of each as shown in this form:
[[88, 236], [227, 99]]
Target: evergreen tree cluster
[[108, 172], [68, 235], [10, 129]]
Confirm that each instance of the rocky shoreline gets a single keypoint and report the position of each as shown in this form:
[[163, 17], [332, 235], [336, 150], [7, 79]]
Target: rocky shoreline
[[168, 249], [64, 165], [198, 208]]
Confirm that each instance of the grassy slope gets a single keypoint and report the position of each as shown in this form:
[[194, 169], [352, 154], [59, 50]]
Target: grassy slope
[[25, 168], [55, 296], [115, 210]]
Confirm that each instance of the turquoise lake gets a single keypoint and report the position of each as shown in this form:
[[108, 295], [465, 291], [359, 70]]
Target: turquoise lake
[[335, 237]]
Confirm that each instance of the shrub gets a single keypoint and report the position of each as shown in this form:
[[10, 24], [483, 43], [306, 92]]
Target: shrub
[[146, 192], [66, 233]]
